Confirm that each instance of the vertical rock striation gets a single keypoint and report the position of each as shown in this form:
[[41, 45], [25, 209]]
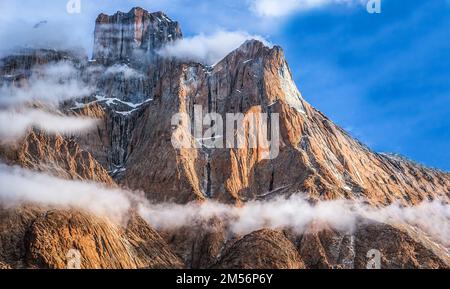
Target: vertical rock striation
[[132, 35]]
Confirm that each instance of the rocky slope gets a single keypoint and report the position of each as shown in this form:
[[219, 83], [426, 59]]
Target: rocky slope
[[136, 93], [35, 238], [57, 155]]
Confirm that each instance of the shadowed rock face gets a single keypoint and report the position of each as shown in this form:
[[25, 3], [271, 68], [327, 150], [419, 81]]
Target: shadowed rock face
[[199, 245], [265, 249], [398, 249], [211, 246], [133, 35], [330, 249], [136, 94]]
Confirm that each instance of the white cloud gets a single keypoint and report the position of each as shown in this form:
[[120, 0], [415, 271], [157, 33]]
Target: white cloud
[[280, 8], [21, 186], [124, 70], [17, 34], [297, 213], [208, 49], [68, 31], [14, 124], [50, 83]]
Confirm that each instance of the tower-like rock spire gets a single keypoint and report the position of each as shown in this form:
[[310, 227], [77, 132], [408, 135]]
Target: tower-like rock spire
[[133, 35]]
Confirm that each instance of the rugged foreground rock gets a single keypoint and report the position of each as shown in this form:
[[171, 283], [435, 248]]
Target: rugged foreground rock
[[36, 238], [32, 237], [136, 94]]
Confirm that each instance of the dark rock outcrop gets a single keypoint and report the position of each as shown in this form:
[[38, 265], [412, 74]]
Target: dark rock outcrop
[[133, 35], [265, 249]]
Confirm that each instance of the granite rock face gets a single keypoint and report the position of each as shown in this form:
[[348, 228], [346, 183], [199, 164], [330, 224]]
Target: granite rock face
[[136, 93], [133, 35]]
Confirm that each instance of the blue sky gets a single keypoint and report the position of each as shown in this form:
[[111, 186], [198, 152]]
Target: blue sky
[[385, 77]]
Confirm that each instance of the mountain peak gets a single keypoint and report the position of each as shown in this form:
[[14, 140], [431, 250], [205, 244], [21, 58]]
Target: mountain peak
[[252, 46], [127, 36]]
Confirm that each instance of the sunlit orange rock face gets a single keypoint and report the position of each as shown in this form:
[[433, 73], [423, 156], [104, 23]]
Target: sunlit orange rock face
[[132, 148], [316, 157]]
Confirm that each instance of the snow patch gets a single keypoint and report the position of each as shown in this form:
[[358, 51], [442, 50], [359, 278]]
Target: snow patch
[[112, 101]]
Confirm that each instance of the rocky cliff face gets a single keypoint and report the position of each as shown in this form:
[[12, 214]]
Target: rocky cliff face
[[133, 35], [136, 94], [329, 163]]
